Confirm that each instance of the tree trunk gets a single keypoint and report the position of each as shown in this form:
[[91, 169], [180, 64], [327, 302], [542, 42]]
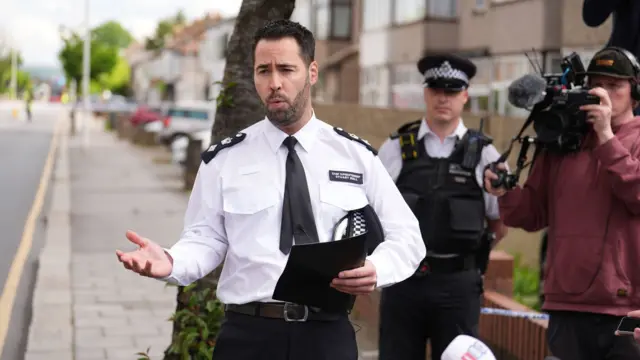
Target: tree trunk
[[238, 104]]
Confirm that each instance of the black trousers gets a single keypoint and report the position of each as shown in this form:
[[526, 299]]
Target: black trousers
[[586, 336], [437, 307], [245, 337]]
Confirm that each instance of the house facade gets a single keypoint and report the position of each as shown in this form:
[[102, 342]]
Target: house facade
[[212, 55]]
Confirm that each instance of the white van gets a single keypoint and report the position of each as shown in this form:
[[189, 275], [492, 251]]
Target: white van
[[186, 118]]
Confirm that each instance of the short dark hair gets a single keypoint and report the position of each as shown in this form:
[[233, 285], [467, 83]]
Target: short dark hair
[[280, 29]]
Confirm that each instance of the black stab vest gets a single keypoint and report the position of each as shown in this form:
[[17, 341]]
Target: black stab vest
[[443, 193]]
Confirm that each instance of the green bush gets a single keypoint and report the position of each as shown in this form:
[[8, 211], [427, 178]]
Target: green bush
[[526, 284], [200, 322]]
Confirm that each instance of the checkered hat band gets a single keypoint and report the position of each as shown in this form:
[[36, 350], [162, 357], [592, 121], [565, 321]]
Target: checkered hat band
[[359, 224], [446, 72]]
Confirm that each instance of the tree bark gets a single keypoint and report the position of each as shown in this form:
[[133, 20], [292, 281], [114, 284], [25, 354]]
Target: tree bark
[[238, 104]]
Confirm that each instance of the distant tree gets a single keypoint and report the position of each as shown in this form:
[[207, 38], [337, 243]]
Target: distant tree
[[113, 34], [103, 57]]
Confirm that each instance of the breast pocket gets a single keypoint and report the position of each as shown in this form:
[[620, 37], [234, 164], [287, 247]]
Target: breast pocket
[[338, 199], [248, 200]]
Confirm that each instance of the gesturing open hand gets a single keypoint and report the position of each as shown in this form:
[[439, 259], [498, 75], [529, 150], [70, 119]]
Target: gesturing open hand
[[148, 260]]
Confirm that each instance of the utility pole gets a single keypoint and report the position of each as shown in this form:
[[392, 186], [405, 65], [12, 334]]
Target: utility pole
[[14, 73], [86, 71], [73, 100]]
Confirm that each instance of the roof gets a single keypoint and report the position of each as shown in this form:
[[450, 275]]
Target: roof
[[186, 39]]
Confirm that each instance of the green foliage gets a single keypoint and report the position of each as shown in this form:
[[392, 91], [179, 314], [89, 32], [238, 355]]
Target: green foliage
[[103, 58], [23, 79], [112, 34], [199, 321], [117, 81], [108, 70], [526, 284]]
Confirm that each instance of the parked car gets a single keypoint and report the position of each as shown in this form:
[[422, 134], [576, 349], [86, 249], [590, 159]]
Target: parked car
[[184, 119], [145, 114]]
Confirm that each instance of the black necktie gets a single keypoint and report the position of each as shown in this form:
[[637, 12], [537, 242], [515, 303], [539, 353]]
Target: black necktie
[[297, 216]]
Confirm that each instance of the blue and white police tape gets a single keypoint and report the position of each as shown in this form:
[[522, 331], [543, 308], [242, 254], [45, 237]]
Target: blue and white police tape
[[511, 313]]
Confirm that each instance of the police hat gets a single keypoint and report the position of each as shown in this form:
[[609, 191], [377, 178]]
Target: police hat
[[614, 62], [360, 222], [446, 71]]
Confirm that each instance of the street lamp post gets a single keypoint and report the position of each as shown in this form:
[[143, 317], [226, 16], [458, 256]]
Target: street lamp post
[[86, 71]]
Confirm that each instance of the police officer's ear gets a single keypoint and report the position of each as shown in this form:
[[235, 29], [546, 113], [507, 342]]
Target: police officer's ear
[[313, 72], [466, 96]]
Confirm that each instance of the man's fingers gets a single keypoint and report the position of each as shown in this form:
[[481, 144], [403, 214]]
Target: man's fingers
[[147, 268], [356, 273], [634, 314], [354, 282], [490, 175], [136, 239]]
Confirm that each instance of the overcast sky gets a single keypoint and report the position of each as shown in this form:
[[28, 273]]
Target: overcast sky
[[33, 24]]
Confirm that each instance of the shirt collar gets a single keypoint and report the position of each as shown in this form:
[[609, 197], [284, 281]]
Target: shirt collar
[[458, 133], [306, 136]]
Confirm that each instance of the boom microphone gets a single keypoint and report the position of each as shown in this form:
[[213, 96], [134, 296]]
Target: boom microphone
[[527, 91]]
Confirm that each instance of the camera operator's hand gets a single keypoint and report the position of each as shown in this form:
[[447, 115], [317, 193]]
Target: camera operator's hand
[[600, 115], [490, 175]]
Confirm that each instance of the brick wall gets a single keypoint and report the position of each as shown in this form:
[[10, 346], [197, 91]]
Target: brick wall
[[375, 124]]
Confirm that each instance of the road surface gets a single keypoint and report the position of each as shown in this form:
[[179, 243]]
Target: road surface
[[23, 151]]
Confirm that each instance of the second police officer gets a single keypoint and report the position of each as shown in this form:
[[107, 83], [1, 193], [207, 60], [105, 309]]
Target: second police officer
[[437, 164]]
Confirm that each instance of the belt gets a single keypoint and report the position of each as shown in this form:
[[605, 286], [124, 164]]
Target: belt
[[287, 311], [433, 265]]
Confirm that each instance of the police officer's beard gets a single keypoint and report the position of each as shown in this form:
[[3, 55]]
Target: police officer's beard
[[293, 113]]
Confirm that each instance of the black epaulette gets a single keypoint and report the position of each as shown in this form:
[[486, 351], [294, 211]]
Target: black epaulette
[[406, 128], [357, 139], [214, 149]]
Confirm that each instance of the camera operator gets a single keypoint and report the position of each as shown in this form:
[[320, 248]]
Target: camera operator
[[590, 202]]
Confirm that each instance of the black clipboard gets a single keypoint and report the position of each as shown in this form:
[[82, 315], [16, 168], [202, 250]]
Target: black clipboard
[[307, 276]]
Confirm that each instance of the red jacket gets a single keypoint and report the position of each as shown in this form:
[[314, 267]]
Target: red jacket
[[590, 202]]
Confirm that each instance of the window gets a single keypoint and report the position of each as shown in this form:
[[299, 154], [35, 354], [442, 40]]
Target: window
[[322, 21], [223, 41], [341, 21], [442, 9], [332, 19], [376, 14], [407, 11]]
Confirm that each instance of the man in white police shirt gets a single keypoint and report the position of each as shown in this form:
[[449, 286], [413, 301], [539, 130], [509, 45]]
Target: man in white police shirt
[[236, 214], [437, 164]]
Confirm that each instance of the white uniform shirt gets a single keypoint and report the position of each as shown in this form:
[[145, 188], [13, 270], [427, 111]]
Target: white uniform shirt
[[235, 211], [391, 156]]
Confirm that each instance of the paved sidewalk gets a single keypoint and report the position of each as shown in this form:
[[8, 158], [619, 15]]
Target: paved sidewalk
[[86, 305], [112, 187]]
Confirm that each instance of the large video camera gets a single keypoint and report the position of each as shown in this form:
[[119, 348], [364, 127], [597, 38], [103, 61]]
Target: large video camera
[[554, 101]]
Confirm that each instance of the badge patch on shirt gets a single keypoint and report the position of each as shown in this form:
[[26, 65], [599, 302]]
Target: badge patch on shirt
[[346, 176]]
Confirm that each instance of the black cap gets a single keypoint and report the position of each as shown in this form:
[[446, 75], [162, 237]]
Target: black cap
[[612, 62], [446, 71]]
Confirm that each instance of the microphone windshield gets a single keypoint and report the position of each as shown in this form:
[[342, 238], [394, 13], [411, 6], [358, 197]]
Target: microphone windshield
[[527, 91]]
